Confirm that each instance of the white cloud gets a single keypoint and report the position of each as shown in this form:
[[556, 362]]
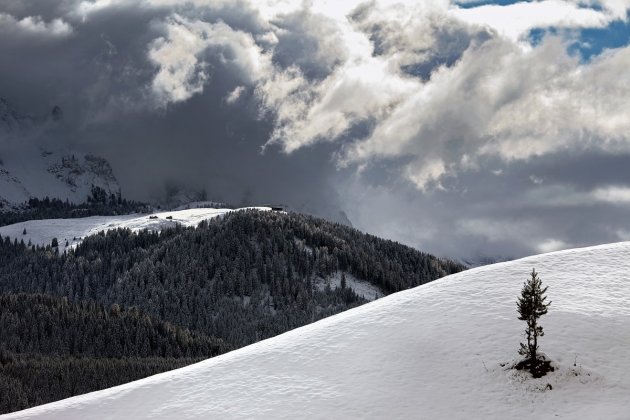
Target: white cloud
[[179, 56], [613, 194], [427, 174], [34, 26], [617, 8], [85, 8], [234, 95], [364, 87], [558, 195], [550, 245], [326, 110], [502, 101], [516, 20]]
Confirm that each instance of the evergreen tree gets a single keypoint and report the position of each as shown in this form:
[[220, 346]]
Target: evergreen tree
[[531, 306]]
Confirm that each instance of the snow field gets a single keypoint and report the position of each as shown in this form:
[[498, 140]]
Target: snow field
[[41, 232], [439, 351]]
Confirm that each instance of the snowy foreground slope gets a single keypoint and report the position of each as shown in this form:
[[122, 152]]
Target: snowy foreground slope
[[41, 232], [434, 352]]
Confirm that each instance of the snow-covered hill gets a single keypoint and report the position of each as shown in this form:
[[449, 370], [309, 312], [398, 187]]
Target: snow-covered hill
[[439, 351], [33, 163], [41, 232]]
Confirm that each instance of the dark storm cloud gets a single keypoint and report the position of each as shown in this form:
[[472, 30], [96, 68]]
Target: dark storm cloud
[[503, 211], [48, 10], [101, 77], [422, 127]]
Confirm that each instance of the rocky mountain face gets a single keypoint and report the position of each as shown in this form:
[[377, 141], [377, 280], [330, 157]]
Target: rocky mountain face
[[34, 164], [10, 120]]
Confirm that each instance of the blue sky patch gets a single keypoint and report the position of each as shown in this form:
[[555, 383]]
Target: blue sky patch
[[477, 3], [593, 41], [590, 42]]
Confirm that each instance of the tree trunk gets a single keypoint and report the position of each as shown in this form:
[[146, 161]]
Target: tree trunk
[[532, 349]]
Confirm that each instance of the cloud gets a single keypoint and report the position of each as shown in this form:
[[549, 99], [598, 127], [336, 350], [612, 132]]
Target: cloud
[[516, 20], [85, 8], [433, 124], [181, 53], [501, 101], [374, 55], [613, 194], [551, 245], [464, 103], [234, 96], [33, 27]]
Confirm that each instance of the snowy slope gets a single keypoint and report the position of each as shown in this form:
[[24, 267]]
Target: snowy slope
[[433, 352], [41, 232], [362, 288]]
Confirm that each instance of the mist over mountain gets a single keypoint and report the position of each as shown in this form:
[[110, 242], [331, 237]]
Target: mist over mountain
[[36, 163]]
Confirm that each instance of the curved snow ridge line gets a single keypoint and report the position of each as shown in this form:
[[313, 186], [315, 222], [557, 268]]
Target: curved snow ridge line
[[437, 351], [73, 231]]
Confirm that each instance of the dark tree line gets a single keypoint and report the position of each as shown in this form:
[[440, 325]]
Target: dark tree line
[[53, 326], [241, 278], [30, 380], [98, 203], [52, 349]]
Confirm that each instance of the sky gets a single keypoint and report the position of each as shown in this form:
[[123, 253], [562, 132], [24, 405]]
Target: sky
[[470, 129]]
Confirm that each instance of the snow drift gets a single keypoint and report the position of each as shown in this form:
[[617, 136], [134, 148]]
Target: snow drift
[[439, 351]]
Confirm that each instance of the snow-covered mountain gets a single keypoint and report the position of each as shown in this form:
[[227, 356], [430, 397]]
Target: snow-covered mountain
[[439, 351], [34, 164]]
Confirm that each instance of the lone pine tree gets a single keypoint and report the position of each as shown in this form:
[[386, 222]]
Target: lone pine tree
[[531, 306]]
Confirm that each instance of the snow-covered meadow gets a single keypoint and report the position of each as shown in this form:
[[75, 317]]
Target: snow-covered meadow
[[439, 351], [41, 232]]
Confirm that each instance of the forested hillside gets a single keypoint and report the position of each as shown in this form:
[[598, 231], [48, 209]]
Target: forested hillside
[[98, 203], [241, 278], [41, 324], [52, 349]]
